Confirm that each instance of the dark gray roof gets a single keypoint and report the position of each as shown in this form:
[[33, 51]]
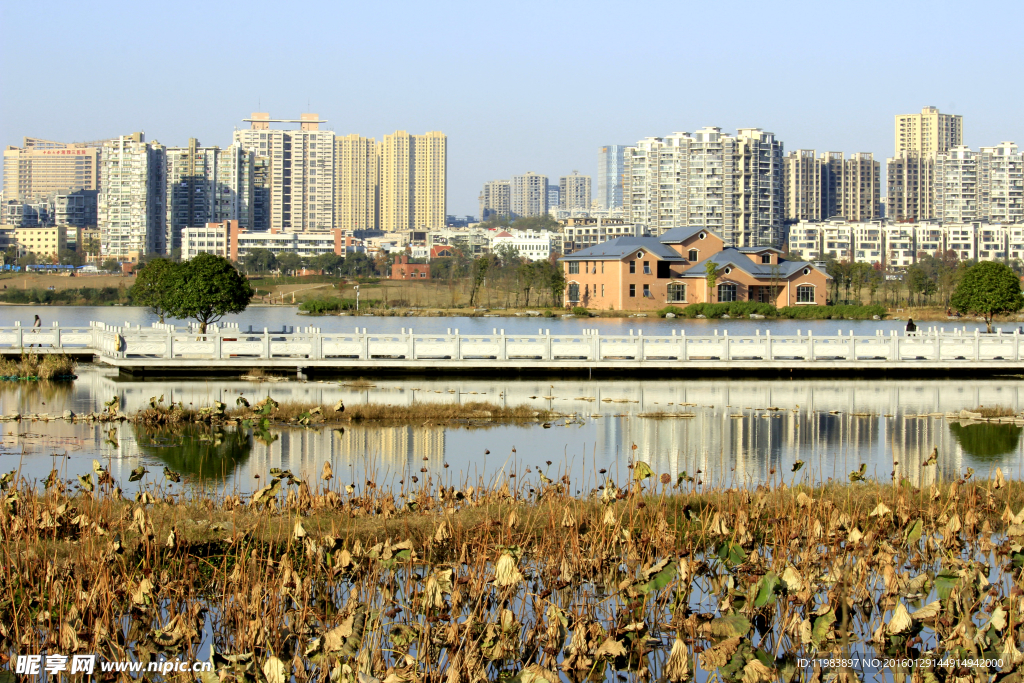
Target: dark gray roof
[[676, 235], [738, 259], [620, 247]]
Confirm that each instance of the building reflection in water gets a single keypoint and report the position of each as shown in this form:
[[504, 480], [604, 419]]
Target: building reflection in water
[[740, 430]]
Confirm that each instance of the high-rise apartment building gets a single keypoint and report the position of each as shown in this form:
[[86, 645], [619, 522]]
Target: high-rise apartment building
[[356, 203], [861, 193], [131, 200], [730, 184], [554, 196], [206, 185], [42, 168], [909, 192], [817, 188], [611, 172], [987, 185], [802, 174], [529, 195], [413, 180], [299, 170], [574, 192], [495, 199], [76, 209], [929, 132]]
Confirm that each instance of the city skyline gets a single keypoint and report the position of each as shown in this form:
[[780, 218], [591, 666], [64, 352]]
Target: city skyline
[[429, 76]]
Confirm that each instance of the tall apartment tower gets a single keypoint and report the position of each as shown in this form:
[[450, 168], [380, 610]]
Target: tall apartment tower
[[131, 200], [413, 180], [574, 192], [495, 199], [41, 168], [529, 195], [356, 204], [929, 132], [299, 170], [909, 191], [730, 184], [802, 173], [206, 185], [861, 191], [611, 171], [987, 185]]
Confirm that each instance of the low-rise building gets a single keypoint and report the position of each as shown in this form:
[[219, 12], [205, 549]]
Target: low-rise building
[[645, 273], [227, 239], [530, 245], [45, 243], [403, 270]]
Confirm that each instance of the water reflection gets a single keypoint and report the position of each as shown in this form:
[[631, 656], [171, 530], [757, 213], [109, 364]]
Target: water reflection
[[734, 432], [201, 452], [987, 442]]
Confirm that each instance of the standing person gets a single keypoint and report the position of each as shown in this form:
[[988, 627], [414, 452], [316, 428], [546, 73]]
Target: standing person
[[911, 327], [36, 324]]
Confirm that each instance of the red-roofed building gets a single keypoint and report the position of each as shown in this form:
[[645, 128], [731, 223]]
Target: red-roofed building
[[441, 251], [403, 270]]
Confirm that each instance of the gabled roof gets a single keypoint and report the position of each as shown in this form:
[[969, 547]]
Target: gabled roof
[[758, 250], [620, 247], [679, 235], [737, 259]]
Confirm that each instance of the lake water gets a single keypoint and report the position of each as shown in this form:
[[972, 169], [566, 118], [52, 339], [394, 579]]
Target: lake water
[[275, 317], [832, 426]]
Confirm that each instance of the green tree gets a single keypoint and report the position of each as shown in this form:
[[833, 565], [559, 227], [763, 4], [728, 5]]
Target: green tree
[[206, 288], [710, 277], [111, 265], [920, 282], [536, 223], [153, 285], [480, 268], [289, 261], [259, 261], [555, 277], [70, 257], [988, 289]]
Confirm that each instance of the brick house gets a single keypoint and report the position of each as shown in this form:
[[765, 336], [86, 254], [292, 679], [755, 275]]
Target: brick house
[[403, 270], [633, 273]]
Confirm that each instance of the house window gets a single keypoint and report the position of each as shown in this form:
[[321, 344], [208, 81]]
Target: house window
[[632, 291], [602, 288], [726, 292], [632, 267], [766, 258], [692, 256], [602, 267], [676, 293], [574, 293], [805, 294], [647, 291], [574, 267], [647, 267]]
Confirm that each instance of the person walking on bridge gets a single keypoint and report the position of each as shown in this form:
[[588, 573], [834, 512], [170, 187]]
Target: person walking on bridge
[[36, 324]]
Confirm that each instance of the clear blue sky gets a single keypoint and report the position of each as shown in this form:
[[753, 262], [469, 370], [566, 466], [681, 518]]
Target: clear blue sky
[[516, 86]]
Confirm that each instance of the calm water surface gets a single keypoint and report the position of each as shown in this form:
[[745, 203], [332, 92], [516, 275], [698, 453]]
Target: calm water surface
[[731, 438]]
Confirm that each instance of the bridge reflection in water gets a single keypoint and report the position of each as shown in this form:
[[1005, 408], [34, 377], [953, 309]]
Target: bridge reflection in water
[[732, 437]]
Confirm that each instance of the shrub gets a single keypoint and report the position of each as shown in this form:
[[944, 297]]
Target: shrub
[[332, 304], [734, 309], [580, 312], [675, 310], [841, 312], [548, 313]]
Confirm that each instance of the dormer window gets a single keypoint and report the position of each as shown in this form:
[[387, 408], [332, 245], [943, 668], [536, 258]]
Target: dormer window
[[766, 258], [692, 256]]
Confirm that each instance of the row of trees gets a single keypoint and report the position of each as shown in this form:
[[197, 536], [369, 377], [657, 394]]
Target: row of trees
[[205, 288], [930, 281]]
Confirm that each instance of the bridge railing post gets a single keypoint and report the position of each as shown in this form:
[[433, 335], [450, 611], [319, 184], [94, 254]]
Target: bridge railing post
[[768, 345], [977, 346]]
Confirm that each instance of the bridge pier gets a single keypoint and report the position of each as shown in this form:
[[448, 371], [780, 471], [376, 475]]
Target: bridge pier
[[301, 373]]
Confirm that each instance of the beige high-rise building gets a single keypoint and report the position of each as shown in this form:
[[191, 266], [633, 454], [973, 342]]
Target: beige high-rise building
[[574, 191], [495, 199], [413, 180], [802, 191], [818, 188], [929, 132], [300, 170], [41, 168], [356, 204], [987, 185], [909, 187]]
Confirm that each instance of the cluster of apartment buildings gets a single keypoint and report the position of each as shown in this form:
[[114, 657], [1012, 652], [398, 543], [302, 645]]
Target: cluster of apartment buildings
[[142, 195], [895, 246], [531, 194]]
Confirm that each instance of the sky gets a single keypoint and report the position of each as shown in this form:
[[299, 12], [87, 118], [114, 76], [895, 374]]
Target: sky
[[516, 86]]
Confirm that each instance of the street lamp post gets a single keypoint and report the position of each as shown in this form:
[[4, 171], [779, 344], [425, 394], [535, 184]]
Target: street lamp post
[[357, 298]]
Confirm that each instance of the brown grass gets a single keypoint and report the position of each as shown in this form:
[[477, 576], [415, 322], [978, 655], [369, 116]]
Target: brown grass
[[994, 411], [44, 366], [417, 412]]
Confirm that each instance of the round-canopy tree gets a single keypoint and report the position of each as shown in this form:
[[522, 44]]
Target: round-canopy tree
[[205, 288], [152, 285], [987, 289]]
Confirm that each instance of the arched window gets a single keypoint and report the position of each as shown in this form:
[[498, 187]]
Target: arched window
[[574, 292], [692, 255], [726, 292], [805, 294]]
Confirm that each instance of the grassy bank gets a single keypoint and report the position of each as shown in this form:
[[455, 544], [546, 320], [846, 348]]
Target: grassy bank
[[71, 296], [34, 366], [744, 309], [518, 578]]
